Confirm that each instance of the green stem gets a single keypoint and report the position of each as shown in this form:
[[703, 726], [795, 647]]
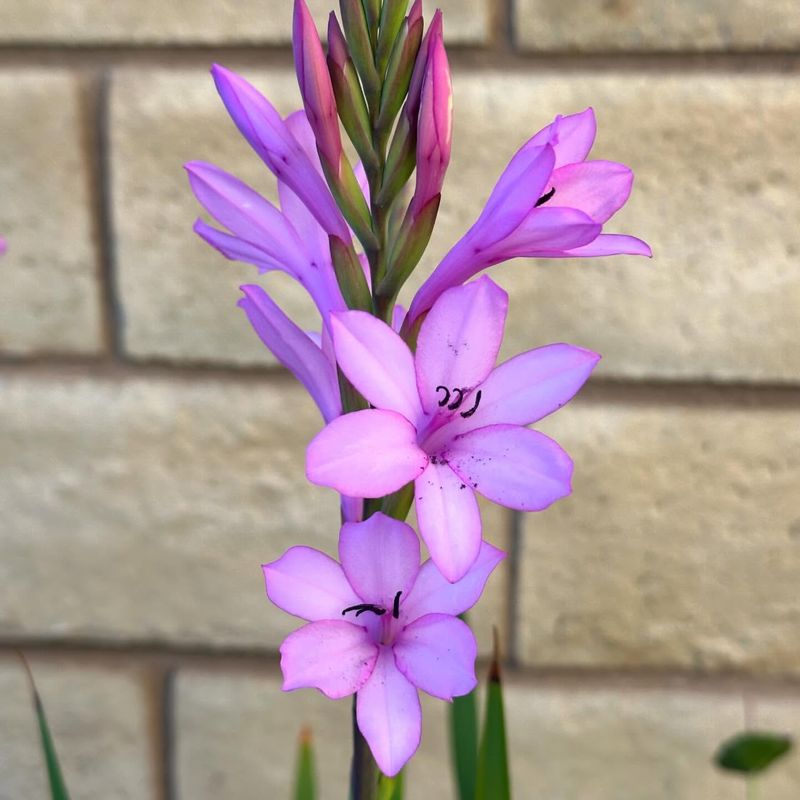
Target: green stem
[[364, 772], [752, 789]]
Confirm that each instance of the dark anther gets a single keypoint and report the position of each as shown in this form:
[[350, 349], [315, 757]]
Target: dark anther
[[457, 404], [545, 198], [396, 606], [446, 391], [468, 414], [363, 608]]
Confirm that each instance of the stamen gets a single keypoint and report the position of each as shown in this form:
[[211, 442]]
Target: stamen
[[468, 414], [545, 198], [446, 391], [457, 404], [363, 608], [396, 607]]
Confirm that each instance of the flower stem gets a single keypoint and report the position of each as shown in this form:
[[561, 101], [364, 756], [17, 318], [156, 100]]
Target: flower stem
[[364, 773]]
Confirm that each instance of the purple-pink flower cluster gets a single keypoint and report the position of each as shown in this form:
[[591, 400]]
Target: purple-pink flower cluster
[[416, 408]]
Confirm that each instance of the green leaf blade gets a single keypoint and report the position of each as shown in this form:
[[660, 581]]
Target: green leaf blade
[[751, 753], [305, 787], [463, 721], [493, 781]]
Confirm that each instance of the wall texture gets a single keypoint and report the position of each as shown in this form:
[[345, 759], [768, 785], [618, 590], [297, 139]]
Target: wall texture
[[151, 453]]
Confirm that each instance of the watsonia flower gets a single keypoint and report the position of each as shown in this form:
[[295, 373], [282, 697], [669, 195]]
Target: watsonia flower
[[448, 420], [381, 626], [550, 202]]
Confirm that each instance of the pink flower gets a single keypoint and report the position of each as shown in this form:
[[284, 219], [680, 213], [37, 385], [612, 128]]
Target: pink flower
[[447, 420], [549, 203], [379, 625], [3, 246]]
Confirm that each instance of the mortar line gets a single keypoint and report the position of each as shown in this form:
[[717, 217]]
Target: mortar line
[[168, 734], [513, 589]]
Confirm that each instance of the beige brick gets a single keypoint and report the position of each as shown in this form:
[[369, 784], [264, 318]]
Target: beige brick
[[237, 738], [193, 21], [778, 713], [679, 546], [715, 197], [582, 743], [650, 25], [717, 302], [50, 300], [178, 295], [102, 723], [142, 509]]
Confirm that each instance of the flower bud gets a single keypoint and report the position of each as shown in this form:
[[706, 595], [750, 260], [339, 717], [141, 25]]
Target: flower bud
[[315, 86]]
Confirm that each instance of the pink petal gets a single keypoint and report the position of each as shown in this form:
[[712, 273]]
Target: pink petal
[[611, 244], [512, 466], [262, 126], [571, 137], [380, 558], [309, 584], [377, 362], [459, 342], [437, 654], [547, 228], [245, 213], [528, 387], [369, 453], [598, 188], [236, 249], [389, 715], [434, 594], [449, 520], [294, 349], [335, 657]]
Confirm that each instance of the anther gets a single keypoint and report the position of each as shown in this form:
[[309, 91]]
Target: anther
[[457, 404], [446, 399], [545, 198], [396, 606], [468, 414], [363, 608]]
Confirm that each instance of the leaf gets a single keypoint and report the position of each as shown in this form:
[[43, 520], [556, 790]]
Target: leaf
[[752, 752], [391, 788], [463, 719], [493, 779], [305, 787], [58, 789]]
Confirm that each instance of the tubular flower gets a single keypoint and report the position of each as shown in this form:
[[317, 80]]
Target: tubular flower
[[379, 625], [550, 202], [447, 420]]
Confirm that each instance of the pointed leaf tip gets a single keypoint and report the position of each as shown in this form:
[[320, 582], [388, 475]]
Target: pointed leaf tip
[[752, 752]]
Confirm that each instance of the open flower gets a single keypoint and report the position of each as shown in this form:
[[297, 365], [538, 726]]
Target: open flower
[[447, 420], [379, 625], [550, 202]]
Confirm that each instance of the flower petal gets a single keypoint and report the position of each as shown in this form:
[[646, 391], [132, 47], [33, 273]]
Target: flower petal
[[571, 137], [546, 228], [335, 657], [611, 244], [294, 349], [449, 520], [236, 249], [598, 188], [309, 584], [262, 126], [369, 453], [437, 654], [245, 213], [528, 387], [512, 466], [389, 715], [377, 362], [380, 558], [459, 342], [434, 594]]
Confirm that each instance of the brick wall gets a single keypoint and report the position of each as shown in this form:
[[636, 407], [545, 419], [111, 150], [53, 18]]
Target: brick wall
[[151, 453]]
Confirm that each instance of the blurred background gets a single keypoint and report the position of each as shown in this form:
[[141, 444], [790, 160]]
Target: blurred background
[[151, 453]]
